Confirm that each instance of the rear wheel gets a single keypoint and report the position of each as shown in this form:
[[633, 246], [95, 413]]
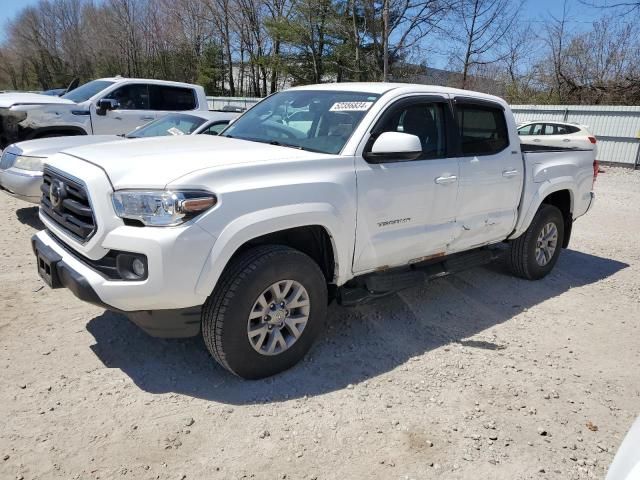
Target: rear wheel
[[266, 311], [534, 254]]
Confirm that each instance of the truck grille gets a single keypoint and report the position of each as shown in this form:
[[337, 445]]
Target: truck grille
[[66, 202], [7, 160]]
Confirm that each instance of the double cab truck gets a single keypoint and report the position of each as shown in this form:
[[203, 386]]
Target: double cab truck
[[343, 192], [108, 106]]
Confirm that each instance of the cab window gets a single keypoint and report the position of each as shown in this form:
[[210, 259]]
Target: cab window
[[131, 97], [482, 129], [425, 121], [172, 99]]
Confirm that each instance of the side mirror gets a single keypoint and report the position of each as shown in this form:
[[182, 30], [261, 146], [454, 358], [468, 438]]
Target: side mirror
[[106, 104], [394, 147]]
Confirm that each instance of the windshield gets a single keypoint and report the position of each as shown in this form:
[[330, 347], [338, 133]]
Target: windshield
[[320, 121], [178, 124], [86, 91]]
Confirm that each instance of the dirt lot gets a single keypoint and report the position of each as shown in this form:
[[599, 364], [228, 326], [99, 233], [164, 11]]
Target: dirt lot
[[476, 376]]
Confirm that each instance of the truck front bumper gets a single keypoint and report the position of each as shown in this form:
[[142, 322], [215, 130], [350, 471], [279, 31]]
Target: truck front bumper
[[22, 184], [60, 268]]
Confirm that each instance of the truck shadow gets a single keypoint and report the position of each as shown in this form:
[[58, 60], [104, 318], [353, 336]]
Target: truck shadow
[[358, 343], [29, 216]]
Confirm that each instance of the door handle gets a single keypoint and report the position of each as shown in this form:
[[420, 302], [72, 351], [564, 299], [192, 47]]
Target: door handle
[[566, 140], [509, 173], [445, 180], [536, 140], [147, 118]]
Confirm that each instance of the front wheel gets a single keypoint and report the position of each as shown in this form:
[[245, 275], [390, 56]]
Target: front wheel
[[534, 254], [267, 309]]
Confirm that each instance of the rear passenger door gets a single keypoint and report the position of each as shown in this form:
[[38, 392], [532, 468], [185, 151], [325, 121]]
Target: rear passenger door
[[406, 208], [491, 174]]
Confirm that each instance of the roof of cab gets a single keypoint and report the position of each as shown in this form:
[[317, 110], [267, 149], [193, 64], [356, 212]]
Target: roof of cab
[[119, 79], [380, 88]]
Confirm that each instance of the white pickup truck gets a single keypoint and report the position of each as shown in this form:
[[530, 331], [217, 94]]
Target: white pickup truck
[[108, 106], [322, 192]]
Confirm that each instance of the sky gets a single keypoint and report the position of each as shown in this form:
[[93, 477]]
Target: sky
[[9, 8], [534, 11]]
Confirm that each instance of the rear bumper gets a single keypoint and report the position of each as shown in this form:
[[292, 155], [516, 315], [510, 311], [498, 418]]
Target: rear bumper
[[57, 273], [21, 184]]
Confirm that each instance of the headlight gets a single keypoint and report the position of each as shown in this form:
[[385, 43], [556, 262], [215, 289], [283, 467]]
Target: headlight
[[33, 164], [161, 208]]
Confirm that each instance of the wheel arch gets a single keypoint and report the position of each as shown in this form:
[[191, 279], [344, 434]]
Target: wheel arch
[[60, 131], [314, 232], [559, 194], [313, 240], [563, 201]]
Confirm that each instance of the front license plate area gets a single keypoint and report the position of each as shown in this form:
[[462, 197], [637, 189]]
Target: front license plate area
[[48, 261]]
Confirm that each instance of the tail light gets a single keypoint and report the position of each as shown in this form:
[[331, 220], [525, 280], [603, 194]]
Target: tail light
[[596, 168], [592, 139]]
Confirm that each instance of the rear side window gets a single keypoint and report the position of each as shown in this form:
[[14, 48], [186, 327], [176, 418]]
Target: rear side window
[[172, 99], [483, 129], [566, 129]]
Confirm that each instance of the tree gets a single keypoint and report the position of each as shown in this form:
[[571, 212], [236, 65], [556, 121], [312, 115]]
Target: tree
[[485, 24]]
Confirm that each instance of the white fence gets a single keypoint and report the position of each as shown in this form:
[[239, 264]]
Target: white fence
[[218, 103], [616, 128]]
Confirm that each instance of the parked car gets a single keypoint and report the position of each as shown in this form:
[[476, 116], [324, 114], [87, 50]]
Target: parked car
[[557, 134], [106, 106], [246, 237], [21, 163]]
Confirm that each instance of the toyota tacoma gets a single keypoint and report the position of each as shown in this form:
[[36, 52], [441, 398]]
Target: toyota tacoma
[[344, 192]]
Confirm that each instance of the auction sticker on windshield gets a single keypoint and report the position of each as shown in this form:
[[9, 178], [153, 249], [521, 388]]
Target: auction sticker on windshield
[[175, 131], [350, 106]]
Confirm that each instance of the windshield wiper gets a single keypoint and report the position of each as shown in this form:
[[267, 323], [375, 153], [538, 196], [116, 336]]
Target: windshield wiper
[[275, 143], [280, 144]]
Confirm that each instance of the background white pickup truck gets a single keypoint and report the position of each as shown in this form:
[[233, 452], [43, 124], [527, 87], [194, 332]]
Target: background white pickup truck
[[245, 237], [101, 107]]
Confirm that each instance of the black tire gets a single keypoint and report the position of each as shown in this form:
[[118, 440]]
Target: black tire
[[522, 256], [226, 312]]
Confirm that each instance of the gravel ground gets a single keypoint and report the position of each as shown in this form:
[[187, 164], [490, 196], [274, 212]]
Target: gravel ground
[[475, 376]]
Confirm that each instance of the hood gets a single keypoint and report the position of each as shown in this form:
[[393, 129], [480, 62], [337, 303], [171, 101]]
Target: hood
[[10, 99], [155, 162], [45, 147]]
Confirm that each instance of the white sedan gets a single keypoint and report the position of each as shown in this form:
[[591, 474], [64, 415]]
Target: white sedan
[[556, 134], [21, 163]]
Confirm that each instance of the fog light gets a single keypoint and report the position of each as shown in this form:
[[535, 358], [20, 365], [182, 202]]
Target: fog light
[[132, 266], [138, 267]]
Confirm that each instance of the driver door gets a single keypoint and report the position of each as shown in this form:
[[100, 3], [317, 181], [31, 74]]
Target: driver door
[[133, 111], [407, 209]]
